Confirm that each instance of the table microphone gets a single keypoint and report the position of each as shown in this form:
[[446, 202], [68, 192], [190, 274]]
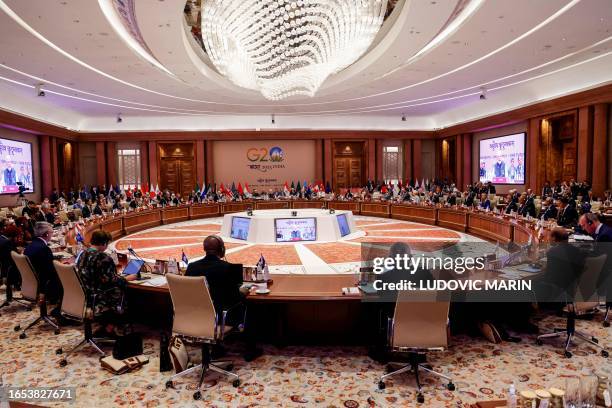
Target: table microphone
[[135, 255]]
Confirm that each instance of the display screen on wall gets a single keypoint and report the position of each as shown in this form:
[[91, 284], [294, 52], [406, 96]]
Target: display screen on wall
[[502, 159], [264, 164], [15, 166], [240, 228]]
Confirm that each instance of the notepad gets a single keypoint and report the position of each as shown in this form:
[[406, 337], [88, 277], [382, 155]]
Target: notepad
[[157, 281], [350, 291]]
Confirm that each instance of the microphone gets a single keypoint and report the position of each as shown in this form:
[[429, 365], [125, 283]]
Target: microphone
[[135, 255]]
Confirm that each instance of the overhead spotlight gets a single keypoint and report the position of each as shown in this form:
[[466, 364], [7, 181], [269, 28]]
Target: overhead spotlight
[[403, 118], [119, 118], [273, 119], [483, 93], [39, 91]]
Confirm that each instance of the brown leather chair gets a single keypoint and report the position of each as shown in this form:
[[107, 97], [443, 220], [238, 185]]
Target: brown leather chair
[[196, 321], [74, 306], [30, 292], [419, 325], [593, 266]]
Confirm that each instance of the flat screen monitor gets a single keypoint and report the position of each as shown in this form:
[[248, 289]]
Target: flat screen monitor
[[295, 229], [240, 228], [15, 166], [133, 267], [502, 159], [343, 224]]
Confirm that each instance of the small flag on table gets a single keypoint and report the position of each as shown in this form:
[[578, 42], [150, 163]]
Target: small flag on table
[[184, 257]]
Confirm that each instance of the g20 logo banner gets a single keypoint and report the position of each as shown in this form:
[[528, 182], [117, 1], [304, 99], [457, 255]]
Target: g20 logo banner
[[264, 159]]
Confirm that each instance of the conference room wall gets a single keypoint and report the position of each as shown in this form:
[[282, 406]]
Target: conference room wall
[[428, 159], [8, 200], [609, 146], [501, 131]]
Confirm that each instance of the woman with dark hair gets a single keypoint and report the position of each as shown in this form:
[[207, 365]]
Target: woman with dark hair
[[100, 279]]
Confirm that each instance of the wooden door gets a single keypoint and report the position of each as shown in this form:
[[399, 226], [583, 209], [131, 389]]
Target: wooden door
[[177, 175], [356, 179]]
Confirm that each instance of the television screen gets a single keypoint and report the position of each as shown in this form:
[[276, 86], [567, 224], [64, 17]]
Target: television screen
[[343, 224], [15, 166], [502, 159], [240, 228], [295, 229]]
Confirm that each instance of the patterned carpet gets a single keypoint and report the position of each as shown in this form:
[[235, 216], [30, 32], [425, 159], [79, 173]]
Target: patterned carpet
[[297, 376]]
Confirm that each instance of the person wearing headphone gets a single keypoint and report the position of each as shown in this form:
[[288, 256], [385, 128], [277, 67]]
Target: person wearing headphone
[[590, 223], [224, 281]]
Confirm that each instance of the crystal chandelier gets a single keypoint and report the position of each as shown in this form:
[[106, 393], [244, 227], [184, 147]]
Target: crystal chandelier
[[287, 47]]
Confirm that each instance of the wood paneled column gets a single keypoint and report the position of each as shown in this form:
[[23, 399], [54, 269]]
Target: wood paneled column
[[327, 161], [200, 162], [533, 152], [379, 159], [585, 143], [600, 149], [144, 163], [459, 157], [371, 158], [318, 160], [210, 172], [417, 169], [45, 165], [153, 164], [101, 160], [467, 161], [111, 164], [407, 160]]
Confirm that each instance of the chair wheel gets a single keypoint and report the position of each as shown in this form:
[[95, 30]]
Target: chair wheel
[[169, 384], [17, 328], [197, 395], [381, 385], [568, 354], [236, 382], [22, 336], [539, 342], [604, 353], [450, 386], [606, 324], [420, 398], [56, 332], [63, 363], [595, 340], [59, 351]]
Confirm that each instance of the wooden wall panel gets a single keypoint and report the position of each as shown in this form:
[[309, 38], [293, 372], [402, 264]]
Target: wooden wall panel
[[600, 149]]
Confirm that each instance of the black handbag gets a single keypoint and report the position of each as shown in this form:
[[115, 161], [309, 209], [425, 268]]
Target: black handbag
[[127, 346]]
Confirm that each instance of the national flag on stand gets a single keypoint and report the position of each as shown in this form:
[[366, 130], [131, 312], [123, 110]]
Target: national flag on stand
[[416, 184], [327, 188], [240, 190], [78, 236], [292, 185], [286, 188], [205, 191], [262, 271], [298, 186], [247, 191], [197, 188], [184, 257], [233, 189]]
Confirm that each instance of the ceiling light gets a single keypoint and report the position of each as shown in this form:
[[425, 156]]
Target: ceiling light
[[403, 118], [273, 119], [483, 93], [119, 118], [283, 48]]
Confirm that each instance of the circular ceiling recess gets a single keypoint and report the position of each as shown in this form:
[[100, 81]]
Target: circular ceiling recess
[[283, 48]]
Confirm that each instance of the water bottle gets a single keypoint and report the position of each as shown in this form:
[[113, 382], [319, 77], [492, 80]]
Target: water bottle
[[512, 397]]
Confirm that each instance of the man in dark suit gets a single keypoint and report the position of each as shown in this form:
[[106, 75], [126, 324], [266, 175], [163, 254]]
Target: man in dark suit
[[568, 216], [591, 225], [41, 258], [8, 234], [224, 281], [500, 168], [549, 210], [86, 210]]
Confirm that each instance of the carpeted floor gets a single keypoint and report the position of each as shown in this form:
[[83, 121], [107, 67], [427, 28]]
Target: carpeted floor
[[297, 376]]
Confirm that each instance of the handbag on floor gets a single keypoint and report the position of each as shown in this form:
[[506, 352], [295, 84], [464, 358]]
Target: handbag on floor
[[117, 367], [179, 354]]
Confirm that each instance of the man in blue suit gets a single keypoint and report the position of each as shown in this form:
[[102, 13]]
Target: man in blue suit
[[590, 223]]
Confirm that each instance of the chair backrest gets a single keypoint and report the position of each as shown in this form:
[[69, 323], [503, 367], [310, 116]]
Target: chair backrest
[[420, 323], [591, 272], [74, 301], [29, 279], [194, 312], [18, 211]]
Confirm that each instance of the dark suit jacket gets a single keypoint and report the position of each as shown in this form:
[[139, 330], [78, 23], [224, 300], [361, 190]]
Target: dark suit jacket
[[86, 211], [551, 212], [224, 280], [605, 234], [564, 263], [569, 217], [41, 257], [7, 266]]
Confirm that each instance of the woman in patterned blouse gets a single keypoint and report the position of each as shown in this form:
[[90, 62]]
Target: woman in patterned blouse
[[100, 278]]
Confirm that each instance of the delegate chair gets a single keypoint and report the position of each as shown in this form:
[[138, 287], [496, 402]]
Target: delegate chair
[[593, 267], [30, 292], [74, 306], [5, 274], [195, 321], [417, 327]]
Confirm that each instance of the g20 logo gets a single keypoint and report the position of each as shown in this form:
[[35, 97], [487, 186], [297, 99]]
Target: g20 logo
[[275, 154]]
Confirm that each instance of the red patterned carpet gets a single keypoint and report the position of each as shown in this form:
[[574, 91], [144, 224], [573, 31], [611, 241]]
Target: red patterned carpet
[[171, 240]]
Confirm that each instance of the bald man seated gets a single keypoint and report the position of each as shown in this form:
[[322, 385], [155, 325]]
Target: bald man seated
[[225, 281], [224, 278]]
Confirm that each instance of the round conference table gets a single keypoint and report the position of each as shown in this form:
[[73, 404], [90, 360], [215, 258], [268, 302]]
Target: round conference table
[[308, 308]]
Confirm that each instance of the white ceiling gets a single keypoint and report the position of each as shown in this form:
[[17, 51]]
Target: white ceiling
[[522, 51]]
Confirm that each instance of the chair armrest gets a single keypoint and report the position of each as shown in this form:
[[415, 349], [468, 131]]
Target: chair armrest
[[390, 325]]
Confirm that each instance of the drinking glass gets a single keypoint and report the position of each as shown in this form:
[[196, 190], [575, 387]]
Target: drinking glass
[[572, 393], [588, 390]]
